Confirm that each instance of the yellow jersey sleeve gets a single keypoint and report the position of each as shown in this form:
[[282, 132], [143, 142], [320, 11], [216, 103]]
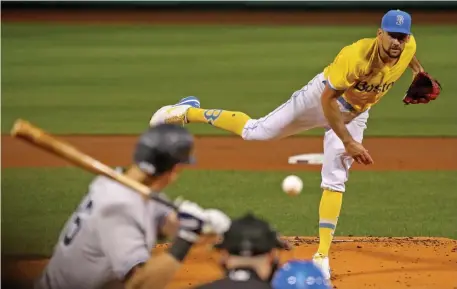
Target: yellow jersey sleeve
[[411, 44], [344, 70], [410, 48]]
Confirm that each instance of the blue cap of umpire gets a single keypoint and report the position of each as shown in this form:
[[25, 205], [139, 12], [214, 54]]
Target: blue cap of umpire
[[299, 274]]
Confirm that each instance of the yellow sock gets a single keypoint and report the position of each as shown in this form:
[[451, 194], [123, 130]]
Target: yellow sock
[[329, 211], [232, 121]]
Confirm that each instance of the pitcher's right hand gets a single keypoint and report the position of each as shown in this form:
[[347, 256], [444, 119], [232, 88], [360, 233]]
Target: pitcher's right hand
[[358, 153]]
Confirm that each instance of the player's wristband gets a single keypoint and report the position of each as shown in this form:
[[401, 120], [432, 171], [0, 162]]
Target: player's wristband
[[180, 248]]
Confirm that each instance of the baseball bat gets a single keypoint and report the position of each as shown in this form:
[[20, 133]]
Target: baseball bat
[[36, 136]]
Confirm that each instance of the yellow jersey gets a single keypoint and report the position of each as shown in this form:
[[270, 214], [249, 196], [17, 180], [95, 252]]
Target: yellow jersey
[[359, 71]]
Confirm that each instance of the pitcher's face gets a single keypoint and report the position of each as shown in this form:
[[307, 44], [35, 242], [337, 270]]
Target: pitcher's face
[[392, 43]]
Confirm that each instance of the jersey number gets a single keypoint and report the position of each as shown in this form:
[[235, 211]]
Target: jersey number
[[75, 225]]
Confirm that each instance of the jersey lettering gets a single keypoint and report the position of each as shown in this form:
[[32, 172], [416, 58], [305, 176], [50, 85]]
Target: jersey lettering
[[365, 87], [75, 225]]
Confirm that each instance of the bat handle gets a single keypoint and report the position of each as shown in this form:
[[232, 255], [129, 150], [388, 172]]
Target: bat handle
[[162, 198]]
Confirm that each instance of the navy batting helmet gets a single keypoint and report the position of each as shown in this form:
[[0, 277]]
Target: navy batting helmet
[[162, 147], [250, 236]]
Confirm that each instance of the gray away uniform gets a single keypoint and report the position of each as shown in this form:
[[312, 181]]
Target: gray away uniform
[[113, 230]]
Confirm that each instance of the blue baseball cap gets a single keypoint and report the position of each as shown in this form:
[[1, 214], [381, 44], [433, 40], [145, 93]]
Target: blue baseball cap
[[299, 274], [396, 21]]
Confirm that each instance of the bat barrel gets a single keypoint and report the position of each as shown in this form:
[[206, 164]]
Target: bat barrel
[[21, 127]]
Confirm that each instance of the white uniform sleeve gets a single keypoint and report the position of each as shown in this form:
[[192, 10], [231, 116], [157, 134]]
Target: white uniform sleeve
[[122, 238]]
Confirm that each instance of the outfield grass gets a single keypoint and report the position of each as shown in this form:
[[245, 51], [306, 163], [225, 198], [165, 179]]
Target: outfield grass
[[37, 202], [109, 79]]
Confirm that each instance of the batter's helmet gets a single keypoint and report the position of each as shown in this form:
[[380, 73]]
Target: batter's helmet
[[299, 274], [162, 147]]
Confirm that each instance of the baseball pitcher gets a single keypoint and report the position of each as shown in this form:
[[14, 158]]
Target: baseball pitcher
[[109, 238], [338, 99]]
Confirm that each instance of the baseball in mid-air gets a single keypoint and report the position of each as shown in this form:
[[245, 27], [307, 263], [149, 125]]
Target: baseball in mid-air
[[292, 185]]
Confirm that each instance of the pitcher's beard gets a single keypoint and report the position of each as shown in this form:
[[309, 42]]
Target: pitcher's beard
[[389, 53]]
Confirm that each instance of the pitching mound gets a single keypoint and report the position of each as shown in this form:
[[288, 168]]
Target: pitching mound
[[392, 263]]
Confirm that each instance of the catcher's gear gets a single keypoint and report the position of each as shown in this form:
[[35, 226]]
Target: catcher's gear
[[423, 89]]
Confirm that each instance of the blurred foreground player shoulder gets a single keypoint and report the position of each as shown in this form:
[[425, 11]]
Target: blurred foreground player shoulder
[[110, 237], [249, 252]]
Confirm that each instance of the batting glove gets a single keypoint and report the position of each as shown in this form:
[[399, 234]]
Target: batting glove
[[217, 222], [191, 221]]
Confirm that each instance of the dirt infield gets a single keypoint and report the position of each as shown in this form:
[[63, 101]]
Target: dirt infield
[[394, 263], [231, 153]]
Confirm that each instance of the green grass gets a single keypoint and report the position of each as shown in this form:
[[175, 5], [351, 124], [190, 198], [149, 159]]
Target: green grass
[[37, 202], [109, 79]]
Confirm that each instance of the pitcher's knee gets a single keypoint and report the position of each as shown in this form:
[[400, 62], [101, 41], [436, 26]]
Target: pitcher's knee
[[255, 130], [334, 177], [334, 187]]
